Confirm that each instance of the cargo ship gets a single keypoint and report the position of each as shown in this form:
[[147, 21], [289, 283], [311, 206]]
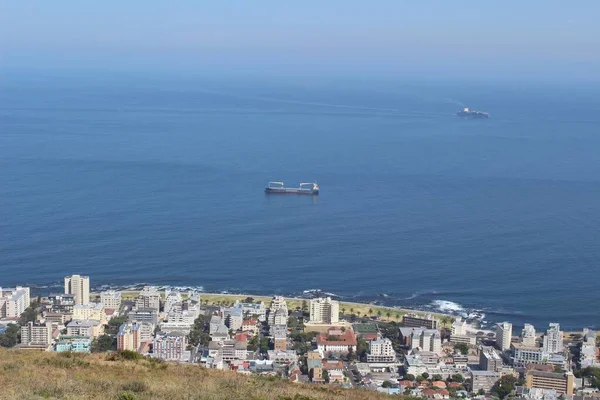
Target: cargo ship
[[472, 114], [304, 188]]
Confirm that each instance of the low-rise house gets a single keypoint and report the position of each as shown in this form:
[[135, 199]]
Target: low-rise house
[[282, 357], [250, 325], [333, 365]]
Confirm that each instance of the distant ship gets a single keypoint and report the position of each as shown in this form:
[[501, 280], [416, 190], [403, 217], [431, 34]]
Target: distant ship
[[304, 188], [472, 114]]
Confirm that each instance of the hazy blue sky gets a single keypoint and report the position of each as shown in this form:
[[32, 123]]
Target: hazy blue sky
[[497, 38]]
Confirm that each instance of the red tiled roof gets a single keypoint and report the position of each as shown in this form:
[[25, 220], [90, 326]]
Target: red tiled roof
[[241, 337], [440, 384], [250, 321], [444, 392], [429, 392], [109, 311], [406, 383], [347, 338], [454, 385], [330, 364]]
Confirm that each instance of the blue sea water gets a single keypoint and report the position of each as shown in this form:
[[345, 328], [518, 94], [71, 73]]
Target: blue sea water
[[160, 179]]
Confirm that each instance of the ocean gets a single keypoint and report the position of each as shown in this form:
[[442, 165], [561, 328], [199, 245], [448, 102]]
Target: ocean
[[159, 179]]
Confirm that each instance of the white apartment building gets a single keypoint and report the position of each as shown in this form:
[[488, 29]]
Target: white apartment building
[[381, 350], [278, 310], [90, 311], [170, 347], [431, 340], [324, 310], [111, 299], [36, 335], [553, 339], [503, 335], [173, 300], [79, 287], [14, 301], [149, 298], [459, 327], [528, 335]]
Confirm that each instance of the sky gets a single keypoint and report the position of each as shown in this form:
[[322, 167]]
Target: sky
[[548, 38]]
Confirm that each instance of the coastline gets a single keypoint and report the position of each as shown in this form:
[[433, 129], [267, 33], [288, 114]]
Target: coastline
[[346, 307]]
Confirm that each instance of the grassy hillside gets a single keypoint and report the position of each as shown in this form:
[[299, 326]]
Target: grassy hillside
[[37, 375]]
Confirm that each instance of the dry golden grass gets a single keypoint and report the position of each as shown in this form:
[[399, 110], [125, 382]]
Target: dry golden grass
[[39, 375]]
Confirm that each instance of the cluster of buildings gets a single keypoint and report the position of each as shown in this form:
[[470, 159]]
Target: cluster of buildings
[[254, 337]]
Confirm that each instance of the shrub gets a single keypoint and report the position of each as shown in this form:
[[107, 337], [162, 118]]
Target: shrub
[[126, 396], [135, 387]]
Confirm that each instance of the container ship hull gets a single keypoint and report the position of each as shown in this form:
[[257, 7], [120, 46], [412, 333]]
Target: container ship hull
[[291, 191], [304, 188]]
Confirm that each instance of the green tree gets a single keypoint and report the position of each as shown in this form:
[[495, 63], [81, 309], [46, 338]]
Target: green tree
[[30, 314], [410, 377], [370, 311], [463, 348], [437, 377], [11, 336], [386, 384], [248, 300], [253, 344], [325, 375], [457, 378], [397, 317], [504, 386], [481, 392], [264, 345], [425, 375], [379, 313], [114, 324], [104, 343], [343, 310], [351, 310], [362, 348], [388, 314], [199, 332], [420, 378]]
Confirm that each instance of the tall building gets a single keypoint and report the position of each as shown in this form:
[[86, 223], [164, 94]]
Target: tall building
[[503, 335], [14, 301], [149, 298], [128, 337], [36, 335], [431, 340], [324, 310], [111, 299], [489, 359], [381, 350], [79, 287], [553, 339], [528, 335], [278, 310], [459, 327], [170, 347]]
